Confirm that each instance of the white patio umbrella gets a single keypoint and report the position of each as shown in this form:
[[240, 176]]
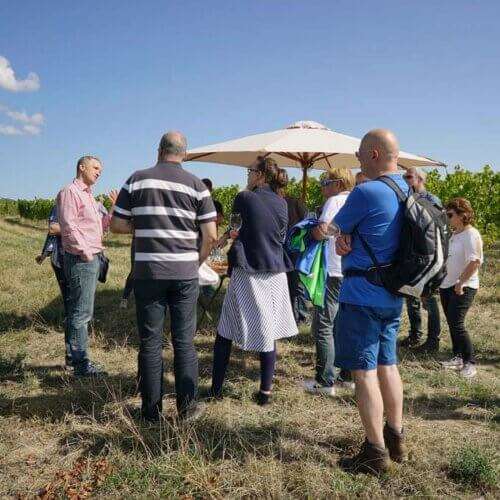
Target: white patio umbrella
[[304, 144]]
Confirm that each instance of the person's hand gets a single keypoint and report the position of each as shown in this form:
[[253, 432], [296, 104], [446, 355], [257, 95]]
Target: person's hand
[[86, 257], [343, 244], [459, 288], [113, 196], [233, 234], [39, 259]]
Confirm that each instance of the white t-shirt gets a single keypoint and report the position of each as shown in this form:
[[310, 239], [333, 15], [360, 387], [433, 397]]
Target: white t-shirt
[[330, 209], [464, 248]]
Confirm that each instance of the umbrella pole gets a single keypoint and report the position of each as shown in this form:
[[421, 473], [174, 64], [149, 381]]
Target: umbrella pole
[[304, 182]]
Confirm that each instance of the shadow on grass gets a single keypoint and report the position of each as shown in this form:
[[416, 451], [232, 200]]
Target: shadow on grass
[[15, 322], [62, 394], [212, 440], [24, 223], [446, 407]]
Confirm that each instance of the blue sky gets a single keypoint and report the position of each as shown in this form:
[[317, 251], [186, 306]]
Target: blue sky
[[114, 75]]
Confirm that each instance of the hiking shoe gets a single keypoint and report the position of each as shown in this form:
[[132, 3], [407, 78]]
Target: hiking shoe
[[428, 347], [371, 459], [455, 363], [311, 386], [123, 304], [409, 342], [468, 370], [394, 441], [193, 413], [263, 399], [90, 370]]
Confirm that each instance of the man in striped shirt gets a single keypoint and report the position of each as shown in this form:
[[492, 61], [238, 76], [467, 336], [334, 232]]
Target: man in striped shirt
[[168, 210]]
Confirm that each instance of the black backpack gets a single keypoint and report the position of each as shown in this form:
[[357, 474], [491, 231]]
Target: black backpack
[[420, 263]]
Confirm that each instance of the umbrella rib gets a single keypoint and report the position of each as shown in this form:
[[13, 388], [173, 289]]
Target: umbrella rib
[[197, 157]]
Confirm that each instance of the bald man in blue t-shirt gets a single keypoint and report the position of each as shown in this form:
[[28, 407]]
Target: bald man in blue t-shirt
[[369, 315]]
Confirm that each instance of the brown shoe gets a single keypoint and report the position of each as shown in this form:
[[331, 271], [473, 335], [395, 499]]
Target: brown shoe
[[394, 441], [371, 459]]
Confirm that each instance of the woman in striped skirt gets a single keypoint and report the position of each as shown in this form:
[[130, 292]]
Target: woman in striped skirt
[[256, 310]]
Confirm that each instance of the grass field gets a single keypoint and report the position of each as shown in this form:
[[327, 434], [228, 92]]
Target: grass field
[[65, 438]]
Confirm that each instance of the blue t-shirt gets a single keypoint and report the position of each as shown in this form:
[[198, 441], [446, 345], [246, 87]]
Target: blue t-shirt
[[374, 210]]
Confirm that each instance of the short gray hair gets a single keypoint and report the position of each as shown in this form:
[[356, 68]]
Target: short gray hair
[[421, 174], [172, 143], [86, 159]]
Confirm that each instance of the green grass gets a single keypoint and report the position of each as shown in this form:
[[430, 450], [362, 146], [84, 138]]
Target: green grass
[[70, 437]]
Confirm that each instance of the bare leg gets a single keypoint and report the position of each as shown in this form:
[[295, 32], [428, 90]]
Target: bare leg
[[391, 388], [370, 405]]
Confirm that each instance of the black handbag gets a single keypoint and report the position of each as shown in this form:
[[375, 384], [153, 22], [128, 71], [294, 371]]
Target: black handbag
[[103, 267]]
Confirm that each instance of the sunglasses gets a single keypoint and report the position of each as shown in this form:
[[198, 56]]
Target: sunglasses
[[326, 182], [408, 176], [450, 214], [250, 170]]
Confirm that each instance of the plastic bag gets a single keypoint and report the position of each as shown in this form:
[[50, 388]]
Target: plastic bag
[[207, 276]]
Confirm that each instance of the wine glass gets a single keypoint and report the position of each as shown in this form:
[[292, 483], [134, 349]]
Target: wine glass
[[332, 229], [235, 221]]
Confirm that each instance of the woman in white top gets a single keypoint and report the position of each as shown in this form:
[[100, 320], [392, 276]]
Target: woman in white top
[[461, 282], [335, 187]]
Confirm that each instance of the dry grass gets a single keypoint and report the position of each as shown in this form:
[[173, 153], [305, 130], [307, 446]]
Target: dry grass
[[61, 437]]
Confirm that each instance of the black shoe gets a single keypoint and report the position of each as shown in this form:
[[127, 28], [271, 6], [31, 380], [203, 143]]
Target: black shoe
[[410, 342], [212, 395], [263, 399], [68, 363], [428, 346], [90, 369], [193, 413]]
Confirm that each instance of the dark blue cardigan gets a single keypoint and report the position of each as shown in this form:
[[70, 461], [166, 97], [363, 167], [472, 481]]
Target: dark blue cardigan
[[259, 246]]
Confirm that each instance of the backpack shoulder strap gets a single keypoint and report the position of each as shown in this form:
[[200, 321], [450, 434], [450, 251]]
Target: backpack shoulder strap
[[393, 185]]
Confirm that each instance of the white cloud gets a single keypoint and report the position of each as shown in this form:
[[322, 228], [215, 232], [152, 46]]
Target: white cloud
[[10, 130], [32, 129], [21, 116], [31, 125], [8, 79]]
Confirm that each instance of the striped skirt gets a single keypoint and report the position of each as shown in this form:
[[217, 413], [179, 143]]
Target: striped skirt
[[257, 310]]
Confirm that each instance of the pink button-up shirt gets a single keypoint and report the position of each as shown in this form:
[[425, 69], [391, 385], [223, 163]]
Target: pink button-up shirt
[[82, 224]]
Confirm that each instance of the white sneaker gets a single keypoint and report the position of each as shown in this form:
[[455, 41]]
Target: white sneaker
[[455, 363], [345, 384], [310, 385], [468, 371]]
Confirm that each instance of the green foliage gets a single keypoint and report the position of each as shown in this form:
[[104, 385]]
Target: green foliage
[[472, 467], [8, 207], [37, 209], [314, 199], [481, 188], [225, 195]]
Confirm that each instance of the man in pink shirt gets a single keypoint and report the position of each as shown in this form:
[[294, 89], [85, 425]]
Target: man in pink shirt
[[82, 227]]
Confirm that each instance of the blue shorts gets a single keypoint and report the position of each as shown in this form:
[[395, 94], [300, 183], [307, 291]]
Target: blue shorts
[[366, 336]]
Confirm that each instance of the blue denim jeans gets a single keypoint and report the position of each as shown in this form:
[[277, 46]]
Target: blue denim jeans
[[323, 329], [81, 278], [413, 307], [152, 299]]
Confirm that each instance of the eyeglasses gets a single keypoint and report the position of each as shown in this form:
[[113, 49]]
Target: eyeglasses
[[326, 182], [450, 214]]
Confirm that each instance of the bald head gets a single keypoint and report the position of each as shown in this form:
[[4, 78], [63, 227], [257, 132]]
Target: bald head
[[378, 152], [172, 147]]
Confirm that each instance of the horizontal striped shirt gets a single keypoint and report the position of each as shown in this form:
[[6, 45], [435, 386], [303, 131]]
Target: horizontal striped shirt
[[166, 205]]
